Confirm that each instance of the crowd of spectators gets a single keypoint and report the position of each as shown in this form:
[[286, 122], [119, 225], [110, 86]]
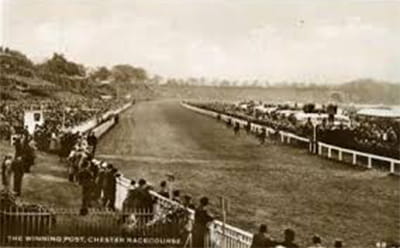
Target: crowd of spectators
[[55, 134], [371, 135], [99, 179], [14, 166], [263, 240], [59, 117]]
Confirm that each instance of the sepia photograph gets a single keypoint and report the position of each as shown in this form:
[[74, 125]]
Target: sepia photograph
[[200, 123]]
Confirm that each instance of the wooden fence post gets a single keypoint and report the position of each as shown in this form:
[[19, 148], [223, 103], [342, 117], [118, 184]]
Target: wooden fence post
[[369, 166], [392, 167]]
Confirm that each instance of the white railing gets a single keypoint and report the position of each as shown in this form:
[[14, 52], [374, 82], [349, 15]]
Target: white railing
[[222, 235], [103, 128], [355, 154], [91, 124], [200, 110], [228, 236], [286, 137], [84, 127]]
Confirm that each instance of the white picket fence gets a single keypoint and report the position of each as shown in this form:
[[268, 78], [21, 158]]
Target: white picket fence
[[356, 155], [103, 128], [100, 129], [288, 138]]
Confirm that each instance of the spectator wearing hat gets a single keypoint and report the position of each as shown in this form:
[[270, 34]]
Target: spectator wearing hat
[[85, 179], [261, 239], [187, 202], [202, 218], [289, 237], [176, 196], [92, 142], [144, 199], [18, 147], [164, 190], [129, 202], [18, 170], [110, 186], [133, 184], [135, 197], [338, 244], [316, 242], [29, 154]]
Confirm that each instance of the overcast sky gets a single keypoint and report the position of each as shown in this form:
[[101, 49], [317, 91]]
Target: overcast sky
[[304, 40]]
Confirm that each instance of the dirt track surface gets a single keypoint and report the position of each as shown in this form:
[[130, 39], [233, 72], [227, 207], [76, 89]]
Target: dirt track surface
[[278, 185]]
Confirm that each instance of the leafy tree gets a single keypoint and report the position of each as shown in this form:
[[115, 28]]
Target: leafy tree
[[58, 64], [101, 73], [127, 73]]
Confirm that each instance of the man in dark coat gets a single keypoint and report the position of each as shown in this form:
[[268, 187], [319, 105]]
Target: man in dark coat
[[131, 199], [110, 187], [262, 136], [163, 189], [261, 240], [229, 123], [148, 199], [248, 127], [18, 147], [92, 142], [85, 179], [28, 156], [201, 219], [289, 237], [18, 170], [236, 128]]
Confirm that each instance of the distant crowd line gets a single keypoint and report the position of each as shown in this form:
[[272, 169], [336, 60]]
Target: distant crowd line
[[371, 135]]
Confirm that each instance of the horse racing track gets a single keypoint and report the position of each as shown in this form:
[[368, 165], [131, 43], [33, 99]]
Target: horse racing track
[[279, 185]]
